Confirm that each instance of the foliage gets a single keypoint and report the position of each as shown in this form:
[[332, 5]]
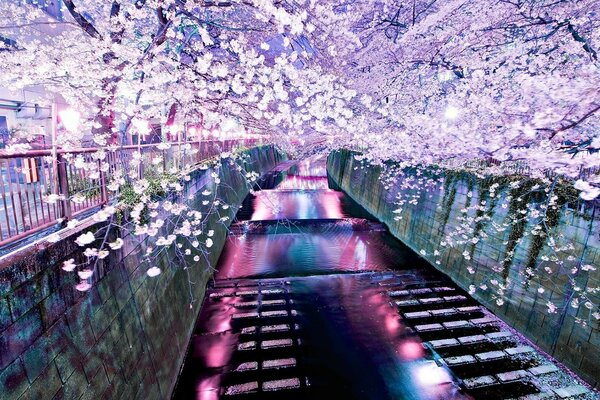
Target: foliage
[[505, 90], [525, 211], [79, 185], [158, 183]]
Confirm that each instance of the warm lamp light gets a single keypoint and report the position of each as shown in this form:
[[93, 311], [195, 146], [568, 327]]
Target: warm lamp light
[[451, 112], [229, 125], [141, 126], [70, 119]]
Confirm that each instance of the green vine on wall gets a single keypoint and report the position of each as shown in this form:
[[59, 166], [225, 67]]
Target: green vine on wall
[[520, 197], [535, 191], [565, 194], [450, 181], [524, 191], [157, 182], [484, 214]]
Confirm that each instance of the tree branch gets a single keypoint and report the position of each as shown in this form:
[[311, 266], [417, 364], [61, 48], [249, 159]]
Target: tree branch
[[573, 124], [86, 25]]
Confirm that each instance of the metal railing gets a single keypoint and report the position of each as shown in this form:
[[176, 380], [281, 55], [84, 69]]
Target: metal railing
[[38, 189]]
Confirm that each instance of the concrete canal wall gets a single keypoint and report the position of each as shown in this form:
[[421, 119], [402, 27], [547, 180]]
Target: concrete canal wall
[[127, 336], [424, 226]]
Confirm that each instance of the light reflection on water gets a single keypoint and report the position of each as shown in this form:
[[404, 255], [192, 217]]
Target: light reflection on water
[[303, 182], [300, 254], [353, 355], [354, 343], [322, 249], [291, 204]]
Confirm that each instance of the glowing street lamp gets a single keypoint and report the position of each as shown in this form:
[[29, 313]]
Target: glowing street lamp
[[70, 119], [141, 126], [451, 112], [445, 76], [229, 125]]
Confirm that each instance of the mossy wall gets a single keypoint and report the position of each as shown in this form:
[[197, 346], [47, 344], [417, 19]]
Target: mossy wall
[[424, 226], [127, 336]]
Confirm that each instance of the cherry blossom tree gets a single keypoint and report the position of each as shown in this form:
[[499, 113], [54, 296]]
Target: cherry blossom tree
[[491, 86], [508, 80], [124, 64]]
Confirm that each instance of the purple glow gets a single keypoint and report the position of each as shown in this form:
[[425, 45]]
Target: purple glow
[[283, 204]]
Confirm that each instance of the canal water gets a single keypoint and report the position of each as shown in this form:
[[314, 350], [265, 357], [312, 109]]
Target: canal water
[[314, 299]]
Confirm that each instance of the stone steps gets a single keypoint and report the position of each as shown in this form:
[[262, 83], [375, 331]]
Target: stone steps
[[265, 362], [492, 361], [264, 320]]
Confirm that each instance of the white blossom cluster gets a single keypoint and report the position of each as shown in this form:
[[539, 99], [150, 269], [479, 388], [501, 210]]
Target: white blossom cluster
[[448, 84]]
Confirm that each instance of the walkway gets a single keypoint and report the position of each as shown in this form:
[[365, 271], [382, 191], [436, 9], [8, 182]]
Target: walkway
[[312, 300]]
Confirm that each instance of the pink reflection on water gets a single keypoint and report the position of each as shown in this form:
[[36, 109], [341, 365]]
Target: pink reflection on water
[[302, 254], [217, 350], [430, 374], [303, 182], [434, 382], [208, 388], [283, 204], [411, 350], [350, 320], [392, 324], [220, 322], [401, 360]]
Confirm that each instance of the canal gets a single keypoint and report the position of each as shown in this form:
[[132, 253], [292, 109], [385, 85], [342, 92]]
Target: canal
[[312, 298]]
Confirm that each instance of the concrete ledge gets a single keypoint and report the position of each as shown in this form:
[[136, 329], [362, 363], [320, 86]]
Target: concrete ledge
[[423, 227], [124, 338]]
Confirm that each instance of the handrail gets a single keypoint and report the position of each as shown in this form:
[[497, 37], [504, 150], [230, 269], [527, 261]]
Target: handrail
[[47, 152], [27, 178]]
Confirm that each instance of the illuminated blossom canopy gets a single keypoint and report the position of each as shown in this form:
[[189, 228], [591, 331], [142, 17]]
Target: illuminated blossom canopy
[[421, 80], [468, 80]]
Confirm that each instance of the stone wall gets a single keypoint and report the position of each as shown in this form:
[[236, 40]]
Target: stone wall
[[127, 336], [423, 227]]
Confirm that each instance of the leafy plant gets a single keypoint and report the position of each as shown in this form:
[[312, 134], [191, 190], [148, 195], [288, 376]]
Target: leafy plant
[[157, 184]]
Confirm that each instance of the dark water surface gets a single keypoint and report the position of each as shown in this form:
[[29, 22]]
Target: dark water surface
[[304, 204], [312, 253], [338, 335], [314, 300]]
